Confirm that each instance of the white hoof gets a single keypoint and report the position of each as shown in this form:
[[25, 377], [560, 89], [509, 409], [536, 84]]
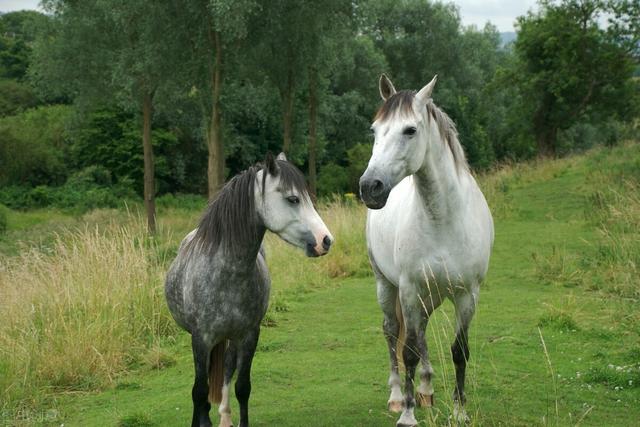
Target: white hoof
[[225, 421], [407, 420]]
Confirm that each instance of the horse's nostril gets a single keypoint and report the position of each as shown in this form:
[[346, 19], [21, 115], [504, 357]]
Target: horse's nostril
[[326, 243], [377, 187]]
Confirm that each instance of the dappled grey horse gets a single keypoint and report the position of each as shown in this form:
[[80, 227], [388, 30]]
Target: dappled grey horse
[[429, 236], [218, 286]]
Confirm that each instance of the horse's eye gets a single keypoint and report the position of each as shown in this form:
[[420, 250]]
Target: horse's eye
[[409, 131], [293, 200]]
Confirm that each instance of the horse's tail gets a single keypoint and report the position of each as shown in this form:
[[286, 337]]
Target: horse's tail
[[402, 333], [216, 372]]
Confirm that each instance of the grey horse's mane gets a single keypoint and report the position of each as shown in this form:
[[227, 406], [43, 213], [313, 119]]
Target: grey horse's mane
[[402, 102], [231, 220]]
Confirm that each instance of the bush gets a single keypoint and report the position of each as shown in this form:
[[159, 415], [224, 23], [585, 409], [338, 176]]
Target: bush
[[87, 189]]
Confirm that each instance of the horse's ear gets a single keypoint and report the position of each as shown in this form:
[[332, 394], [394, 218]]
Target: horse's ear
[[425, 93], [270, 164], [386, 87], [282, 156]]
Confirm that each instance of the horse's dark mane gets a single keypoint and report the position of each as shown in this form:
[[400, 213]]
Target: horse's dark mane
[[231, 221]]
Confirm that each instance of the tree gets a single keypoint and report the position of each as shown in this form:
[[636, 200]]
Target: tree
[[570, 67], [327, 25], [217, 28], [18, 31], [104, 47], [280, 51]]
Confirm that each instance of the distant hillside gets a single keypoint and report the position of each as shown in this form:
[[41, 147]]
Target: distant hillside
[[508, 37]]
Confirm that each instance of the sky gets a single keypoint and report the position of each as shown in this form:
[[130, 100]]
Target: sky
[[502, 13]]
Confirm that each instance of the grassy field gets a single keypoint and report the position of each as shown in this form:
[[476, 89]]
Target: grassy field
[[85, 338]]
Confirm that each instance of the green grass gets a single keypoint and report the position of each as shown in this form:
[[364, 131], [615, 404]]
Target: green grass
[[555, 341]]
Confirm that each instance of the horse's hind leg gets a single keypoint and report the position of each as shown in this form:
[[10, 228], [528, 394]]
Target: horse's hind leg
[[246, 350], [387, 298], [230, 360], [465, 305], [200, 391]]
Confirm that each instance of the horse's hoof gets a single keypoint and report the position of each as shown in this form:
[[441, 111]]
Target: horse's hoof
[[425, 400], [407, 420], [459, 415], [395, 405], [225, 421]]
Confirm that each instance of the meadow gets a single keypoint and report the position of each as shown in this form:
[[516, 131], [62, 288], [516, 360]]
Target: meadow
[[86, 339]]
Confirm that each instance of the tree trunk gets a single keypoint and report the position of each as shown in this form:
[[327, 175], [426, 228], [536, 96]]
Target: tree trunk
[[546, 141], [149, 187], [287, 113], [313, 119], [215, 167]]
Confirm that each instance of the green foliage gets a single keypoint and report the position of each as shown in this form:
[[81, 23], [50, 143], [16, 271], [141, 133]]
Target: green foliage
[[333, 179], [15, 97], [85, 190], [3, 219], [19, 30]]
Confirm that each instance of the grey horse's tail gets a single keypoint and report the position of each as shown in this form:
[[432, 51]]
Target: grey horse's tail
[[216, 372], [402, 333]]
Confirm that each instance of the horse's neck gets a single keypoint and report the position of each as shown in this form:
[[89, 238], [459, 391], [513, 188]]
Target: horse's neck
[[245, 254], [438, 181]]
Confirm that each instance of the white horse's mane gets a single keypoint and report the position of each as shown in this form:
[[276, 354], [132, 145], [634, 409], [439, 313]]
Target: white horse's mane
[[449, 133]]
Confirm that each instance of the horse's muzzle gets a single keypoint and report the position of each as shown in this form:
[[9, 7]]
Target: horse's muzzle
[[315, 250], [374, 192]]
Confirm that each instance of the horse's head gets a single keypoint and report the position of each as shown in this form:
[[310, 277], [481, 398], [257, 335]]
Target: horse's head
[[401, 138], [285, 207]]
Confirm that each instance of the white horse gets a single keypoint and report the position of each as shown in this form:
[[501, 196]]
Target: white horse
[[429, 236]]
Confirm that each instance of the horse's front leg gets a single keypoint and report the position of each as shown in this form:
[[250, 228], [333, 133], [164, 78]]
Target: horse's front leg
[[465, 305], [246, 350], [416, 310], [200, 390], [388, 299]]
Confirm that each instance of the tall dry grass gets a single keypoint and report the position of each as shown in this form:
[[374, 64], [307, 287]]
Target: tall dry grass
[[77, 314], [614, 208]]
